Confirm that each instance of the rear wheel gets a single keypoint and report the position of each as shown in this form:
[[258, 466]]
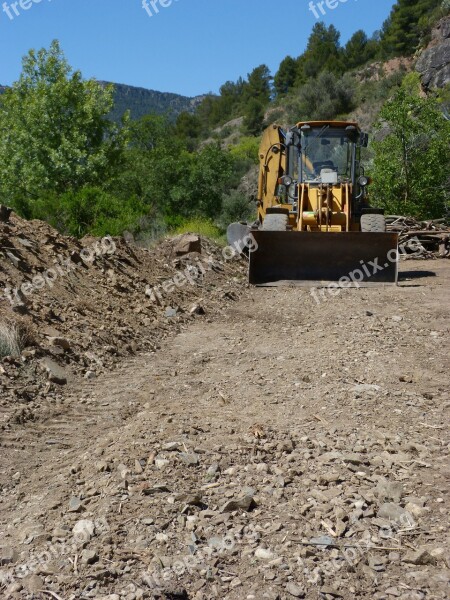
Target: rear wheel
[[275, 222], [373, 223]]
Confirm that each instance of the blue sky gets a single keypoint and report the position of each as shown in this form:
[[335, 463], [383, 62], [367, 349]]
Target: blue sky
[[189, 47]]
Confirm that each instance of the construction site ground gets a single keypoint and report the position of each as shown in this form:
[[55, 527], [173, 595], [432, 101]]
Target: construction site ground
[[275, 447]]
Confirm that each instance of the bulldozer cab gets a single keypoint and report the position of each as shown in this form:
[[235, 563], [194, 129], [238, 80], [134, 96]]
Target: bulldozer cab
[[324, 153]]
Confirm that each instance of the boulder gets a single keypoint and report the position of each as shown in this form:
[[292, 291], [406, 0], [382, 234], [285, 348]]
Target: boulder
[[186, 244]]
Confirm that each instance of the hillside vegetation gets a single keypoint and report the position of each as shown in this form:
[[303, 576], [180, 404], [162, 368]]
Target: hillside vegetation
[[63, 160]]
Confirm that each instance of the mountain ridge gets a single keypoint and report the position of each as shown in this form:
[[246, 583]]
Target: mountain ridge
[[142, 101]]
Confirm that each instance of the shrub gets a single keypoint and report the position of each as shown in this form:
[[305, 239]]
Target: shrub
[[200, 226], [12, 339], [236, 207], [247, 150]]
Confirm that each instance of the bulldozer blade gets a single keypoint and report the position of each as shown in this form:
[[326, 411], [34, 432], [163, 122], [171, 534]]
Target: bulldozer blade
[[323, 257]]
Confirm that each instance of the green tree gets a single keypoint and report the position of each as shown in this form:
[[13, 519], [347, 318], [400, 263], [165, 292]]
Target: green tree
[[157, 166], [236, 207], [358, 50], [258, 86], [411, 163], [150, 132], [254, 117], [189, 129], [208, 181], [322, 53], [54, 132], [285, 77], [323, 98], [408, 21]]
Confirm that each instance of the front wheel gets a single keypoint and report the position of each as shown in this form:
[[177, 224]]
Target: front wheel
[[373, 223]]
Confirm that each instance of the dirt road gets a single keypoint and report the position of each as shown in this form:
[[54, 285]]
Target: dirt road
[[288, 449]]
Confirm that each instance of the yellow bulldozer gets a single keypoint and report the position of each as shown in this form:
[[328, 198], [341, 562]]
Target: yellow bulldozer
[[314, 219]]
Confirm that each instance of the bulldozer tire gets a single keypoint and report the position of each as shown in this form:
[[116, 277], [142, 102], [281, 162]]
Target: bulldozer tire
[[373, 223], [275, 222]]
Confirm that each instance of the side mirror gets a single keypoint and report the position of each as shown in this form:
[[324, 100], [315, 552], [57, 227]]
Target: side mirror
[[364, 140], [352, 133], [292, 138]]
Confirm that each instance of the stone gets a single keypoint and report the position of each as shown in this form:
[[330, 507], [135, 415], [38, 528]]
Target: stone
[[377, 563], [243, 503], [171, 447], [323, 540], [83, 530], [416, 510], [197, 309], [75, 504], [161, 463], [189, 459], [394, 512], [365, 387], [55, 373], [89, 557], [353, 458], [14, 588], [60, 532], [8, 556], [101, 466], [295, 590], [187, 243], [33, 584], [124, 471], [170, 312], [264, 554], [216, 542], [330, 592], [213, 472], [419, 557], [60, 342], [389, 491]]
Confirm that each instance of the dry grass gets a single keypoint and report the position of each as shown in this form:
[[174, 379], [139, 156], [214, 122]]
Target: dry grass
[[12, 339]]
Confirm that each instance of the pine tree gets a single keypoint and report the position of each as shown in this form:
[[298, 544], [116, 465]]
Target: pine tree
[[322, 53], [358, 50], [285, 77], [258, 86]]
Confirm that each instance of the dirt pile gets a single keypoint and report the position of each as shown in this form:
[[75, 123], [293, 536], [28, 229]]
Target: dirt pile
[[79, 307]]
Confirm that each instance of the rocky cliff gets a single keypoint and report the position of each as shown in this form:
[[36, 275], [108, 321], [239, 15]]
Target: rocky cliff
[[434, 62]]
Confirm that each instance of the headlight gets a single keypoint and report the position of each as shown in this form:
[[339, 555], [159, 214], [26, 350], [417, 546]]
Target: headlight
[[363, 181], [287, 180]]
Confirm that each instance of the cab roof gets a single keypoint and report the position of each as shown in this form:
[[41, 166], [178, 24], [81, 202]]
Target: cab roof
[[336, 124]]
